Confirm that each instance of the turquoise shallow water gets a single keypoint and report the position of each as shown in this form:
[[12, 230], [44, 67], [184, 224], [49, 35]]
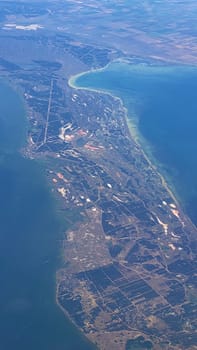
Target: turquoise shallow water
[[29, 249], [162, 104]]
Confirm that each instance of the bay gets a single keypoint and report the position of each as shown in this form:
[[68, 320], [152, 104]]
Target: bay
[[29, 250], [162, 110]]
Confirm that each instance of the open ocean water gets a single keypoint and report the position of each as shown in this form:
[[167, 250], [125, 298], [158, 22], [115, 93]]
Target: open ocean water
[[29, 249], [162, 107]]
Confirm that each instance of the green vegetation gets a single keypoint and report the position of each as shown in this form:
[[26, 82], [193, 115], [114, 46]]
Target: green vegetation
[[139, 344]]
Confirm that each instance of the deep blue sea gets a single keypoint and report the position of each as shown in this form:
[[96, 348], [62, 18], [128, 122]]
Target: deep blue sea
[[162, 108], [29, 248]]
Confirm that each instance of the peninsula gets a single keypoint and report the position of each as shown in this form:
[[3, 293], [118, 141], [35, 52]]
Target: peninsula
[[127, 278]]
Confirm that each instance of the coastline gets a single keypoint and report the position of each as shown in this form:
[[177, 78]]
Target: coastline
[[165, 246], [67, 316], [17, 94], [29, 179], [133, 130]]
